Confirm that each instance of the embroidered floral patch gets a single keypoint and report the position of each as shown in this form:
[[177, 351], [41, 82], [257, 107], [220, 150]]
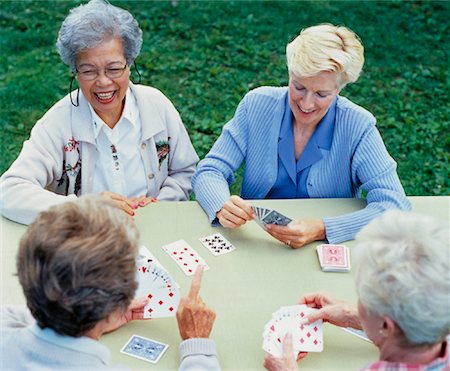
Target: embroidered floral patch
[[70, 181], [162, 150], [71, 145]]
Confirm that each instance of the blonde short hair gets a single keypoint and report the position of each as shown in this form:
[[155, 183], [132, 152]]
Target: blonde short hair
[[326, 48]]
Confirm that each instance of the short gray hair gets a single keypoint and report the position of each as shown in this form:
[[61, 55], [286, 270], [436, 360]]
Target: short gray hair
[[77, 264], [89, 25], [403, 261]]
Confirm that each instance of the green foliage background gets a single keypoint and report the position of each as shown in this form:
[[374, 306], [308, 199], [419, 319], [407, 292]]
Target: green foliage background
[[205, 55]]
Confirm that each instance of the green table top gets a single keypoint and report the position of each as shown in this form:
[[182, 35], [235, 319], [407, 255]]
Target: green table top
[[244, 287]]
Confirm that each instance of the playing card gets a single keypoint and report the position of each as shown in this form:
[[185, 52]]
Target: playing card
[[146, 349], [260, 213], [161, 290], [358, 333], [274, 217], [305, 338], [145, 256], [217, 244], [185, 256], [148, 257], [334, 258]]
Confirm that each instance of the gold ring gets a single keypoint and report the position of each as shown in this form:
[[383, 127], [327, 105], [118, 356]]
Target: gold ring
[[288, 242]]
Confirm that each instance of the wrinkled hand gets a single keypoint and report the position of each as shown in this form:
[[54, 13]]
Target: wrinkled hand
[[235, 212], [331, 310], [299, 232], [287, 362], [123, 202], [134, 311], [195, 319]]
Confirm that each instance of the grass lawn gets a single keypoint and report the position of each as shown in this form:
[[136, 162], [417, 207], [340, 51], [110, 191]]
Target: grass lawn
[[205, 55]]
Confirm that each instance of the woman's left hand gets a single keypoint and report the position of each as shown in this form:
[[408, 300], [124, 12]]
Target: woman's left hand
[[141, 201], [299, 232], [134, 311]]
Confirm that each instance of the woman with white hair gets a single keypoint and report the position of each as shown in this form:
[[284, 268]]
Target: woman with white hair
[[403, 285], [109, 136], [303, 141]]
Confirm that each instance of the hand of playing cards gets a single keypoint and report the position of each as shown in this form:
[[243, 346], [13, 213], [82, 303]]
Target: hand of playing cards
[[334, 258], [305, 338], [268, 216], [159, 287]]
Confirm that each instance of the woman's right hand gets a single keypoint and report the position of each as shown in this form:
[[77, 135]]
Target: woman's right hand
[[124, 203], [331, 310], [235, 212]]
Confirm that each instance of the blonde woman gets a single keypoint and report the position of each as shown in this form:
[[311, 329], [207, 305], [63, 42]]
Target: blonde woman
[[303, 141]]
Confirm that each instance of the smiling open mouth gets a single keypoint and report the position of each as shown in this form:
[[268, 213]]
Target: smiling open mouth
[[105, 97]]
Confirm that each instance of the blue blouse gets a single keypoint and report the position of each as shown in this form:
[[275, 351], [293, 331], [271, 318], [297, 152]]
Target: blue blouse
[[292, 174]]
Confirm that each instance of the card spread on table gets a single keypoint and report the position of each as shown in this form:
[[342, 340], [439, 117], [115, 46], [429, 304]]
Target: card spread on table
[[156, 284], [146, 349], [217, 244], [185, 256], [334, 258], [305, 337], [268, 216]]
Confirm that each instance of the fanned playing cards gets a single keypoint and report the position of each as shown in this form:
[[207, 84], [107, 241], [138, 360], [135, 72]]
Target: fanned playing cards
[[305, 338], [159, 287], [268, 216], [334, 258]]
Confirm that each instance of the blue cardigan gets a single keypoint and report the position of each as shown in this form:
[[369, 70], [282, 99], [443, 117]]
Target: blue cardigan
[[356, 161]]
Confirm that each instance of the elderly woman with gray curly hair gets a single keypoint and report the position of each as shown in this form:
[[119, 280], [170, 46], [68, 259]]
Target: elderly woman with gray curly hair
[[403, 285], [111, 136]]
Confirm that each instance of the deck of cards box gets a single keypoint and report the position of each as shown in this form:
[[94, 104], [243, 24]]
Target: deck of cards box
[[305, 337], [334, 258]]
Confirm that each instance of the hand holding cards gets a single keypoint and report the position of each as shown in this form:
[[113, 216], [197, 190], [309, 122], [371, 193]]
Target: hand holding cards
[[305, 338], [268, 216], [334, 258], [159, 287]]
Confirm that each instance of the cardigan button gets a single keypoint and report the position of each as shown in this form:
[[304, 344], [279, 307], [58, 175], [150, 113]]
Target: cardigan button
[[143, 145], [151, 176]]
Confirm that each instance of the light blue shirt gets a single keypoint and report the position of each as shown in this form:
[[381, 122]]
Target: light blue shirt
[[292, 175]]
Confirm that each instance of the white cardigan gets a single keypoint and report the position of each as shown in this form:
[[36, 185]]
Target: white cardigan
[[58, 161]]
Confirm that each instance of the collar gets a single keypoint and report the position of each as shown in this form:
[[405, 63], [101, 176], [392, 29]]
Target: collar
[[82, 344], [129, 114]]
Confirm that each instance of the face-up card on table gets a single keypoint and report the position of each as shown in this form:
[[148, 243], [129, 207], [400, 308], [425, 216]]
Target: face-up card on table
[[185, 256], [217, 244], [145, 349], [160, 288]]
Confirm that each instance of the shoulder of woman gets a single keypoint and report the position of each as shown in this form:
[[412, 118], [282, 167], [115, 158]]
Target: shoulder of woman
[[267, 92], [350, 113], [58, 116], [148, 92]]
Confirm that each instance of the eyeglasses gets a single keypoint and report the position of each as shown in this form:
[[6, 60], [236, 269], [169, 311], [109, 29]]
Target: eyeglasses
[[111, 73]]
